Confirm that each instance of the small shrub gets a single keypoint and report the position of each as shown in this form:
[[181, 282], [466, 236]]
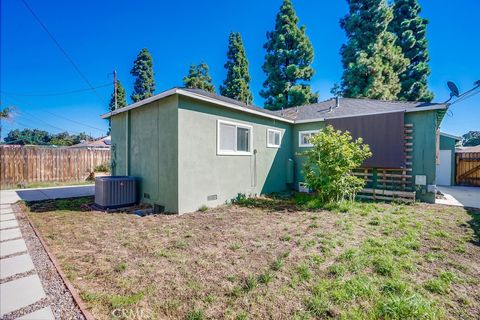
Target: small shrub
[[329, 164], [203, 208], [104, 167]]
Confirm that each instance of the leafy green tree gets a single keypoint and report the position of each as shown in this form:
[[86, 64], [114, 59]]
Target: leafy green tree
[[199, 78], [411, 30], [371, 60], [471, 138], [237, 83], [288, 63], [329, 163], [28, 136], [143, 72]]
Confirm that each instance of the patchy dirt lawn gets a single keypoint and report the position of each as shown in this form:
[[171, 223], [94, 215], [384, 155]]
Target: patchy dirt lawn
[[361, 261]]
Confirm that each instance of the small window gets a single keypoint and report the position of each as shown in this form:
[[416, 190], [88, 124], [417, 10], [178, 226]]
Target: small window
[[304, 138], [273, 138], [234, 138]]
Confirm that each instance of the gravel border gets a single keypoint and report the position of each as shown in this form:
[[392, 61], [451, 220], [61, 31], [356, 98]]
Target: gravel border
[[58, 295]]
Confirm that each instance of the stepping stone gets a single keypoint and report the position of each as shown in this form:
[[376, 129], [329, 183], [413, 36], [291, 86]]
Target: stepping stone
[[11, 247], [15, 265], [44, 314], [19, 293], [8, 224], [9, 234], [7, 216]]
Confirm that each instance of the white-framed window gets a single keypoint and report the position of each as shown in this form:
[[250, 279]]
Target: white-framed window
[[274, 137], [304, 137], [233, 138]]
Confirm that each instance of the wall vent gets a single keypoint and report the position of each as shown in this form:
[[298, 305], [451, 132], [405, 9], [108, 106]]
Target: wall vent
[[212, 197]]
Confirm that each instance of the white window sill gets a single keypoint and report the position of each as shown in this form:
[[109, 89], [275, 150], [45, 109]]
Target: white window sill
[[233, 153]]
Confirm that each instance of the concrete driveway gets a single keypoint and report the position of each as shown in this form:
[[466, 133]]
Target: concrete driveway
[[460, 196], [12, 196]]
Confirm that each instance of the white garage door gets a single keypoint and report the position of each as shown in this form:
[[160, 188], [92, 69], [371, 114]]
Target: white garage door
[[444, 168]]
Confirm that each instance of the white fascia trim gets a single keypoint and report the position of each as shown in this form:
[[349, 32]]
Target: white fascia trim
[[269, 145], [450, 136], [195, 96], [442, 107], [230, 105], [305, 145], [140, 103], [234, 153]]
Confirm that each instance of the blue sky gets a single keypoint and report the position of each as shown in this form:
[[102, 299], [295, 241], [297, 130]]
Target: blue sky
[[104, 35]]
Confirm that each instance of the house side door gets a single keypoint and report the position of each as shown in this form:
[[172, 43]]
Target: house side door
[[444, 168]]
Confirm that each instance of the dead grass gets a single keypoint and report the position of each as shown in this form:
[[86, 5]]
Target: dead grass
[[269, 261]]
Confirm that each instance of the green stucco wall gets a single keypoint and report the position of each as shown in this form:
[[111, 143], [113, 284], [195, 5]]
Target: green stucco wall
[[153, 151], [203, 173], [424, 150], [173, 151], [449, 143], [423, 162]]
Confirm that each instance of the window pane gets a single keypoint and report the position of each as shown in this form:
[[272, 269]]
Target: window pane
[[227, 137], [305, 137], [277, 138], [271, 137], [243, 139]]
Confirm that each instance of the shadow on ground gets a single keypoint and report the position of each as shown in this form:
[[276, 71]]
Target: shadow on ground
[[475, 224]]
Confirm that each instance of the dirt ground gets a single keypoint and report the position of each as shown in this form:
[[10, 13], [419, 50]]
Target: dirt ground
[[270, 260]]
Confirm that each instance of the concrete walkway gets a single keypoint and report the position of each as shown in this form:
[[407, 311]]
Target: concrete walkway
[[460, 196], [20, 286], [12, 196]]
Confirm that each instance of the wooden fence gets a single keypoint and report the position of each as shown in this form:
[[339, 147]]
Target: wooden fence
[[467, 168], [22, 165]]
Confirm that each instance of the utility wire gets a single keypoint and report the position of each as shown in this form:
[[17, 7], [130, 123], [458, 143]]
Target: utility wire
[[74, 121], [35, 118], [55, 93], [63, 51]]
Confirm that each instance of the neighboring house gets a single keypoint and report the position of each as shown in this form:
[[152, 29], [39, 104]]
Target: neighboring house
[[99, 144], [468, 149], [191, 148], [446, 159]]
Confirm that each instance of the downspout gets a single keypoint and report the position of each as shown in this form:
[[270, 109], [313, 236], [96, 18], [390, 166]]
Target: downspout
[[127, 142]]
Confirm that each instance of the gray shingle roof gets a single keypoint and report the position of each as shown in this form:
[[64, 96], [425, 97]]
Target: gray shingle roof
[[230, 100], [350, 107]]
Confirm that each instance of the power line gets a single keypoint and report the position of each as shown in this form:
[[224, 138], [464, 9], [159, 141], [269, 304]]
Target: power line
[[74, 121], [63, 51], [54, 93], [35, 118]]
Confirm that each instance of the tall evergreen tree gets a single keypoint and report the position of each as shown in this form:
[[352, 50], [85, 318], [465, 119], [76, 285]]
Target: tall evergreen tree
[[287, 63], [371, 60], [410, 30], [121, 97], [199, 78], [121, 102], [143, 71], [237, 83]]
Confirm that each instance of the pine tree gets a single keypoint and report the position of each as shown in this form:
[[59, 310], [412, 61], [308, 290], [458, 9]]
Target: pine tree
[[199, 78], [237, 83], [287, 63], [371, 60], [410, 30], [143, 71], [121, 98]]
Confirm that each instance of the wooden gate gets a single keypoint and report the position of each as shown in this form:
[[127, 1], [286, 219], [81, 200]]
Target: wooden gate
[[468, 168]]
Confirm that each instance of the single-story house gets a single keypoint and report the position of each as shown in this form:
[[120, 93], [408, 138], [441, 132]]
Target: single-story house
[[191, 148], [446, 159], [103, 143]]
